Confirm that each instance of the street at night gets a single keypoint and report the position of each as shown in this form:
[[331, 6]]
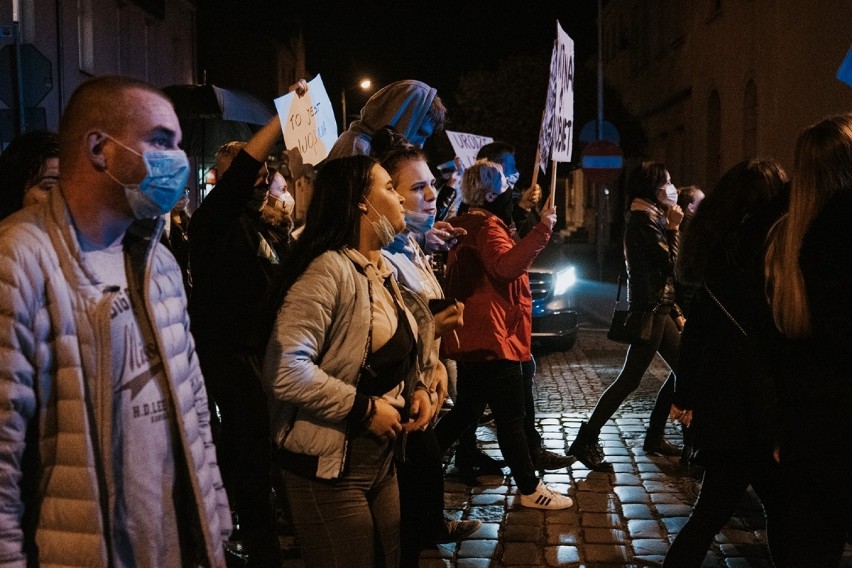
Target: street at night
[[624, 518]]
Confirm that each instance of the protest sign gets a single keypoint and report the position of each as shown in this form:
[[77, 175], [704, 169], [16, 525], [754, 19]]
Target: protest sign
[[467, 145], [308, 122], [557, 125]]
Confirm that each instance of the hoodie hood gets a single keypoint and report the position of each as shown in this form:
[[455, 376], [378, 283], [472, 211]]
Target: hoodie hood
[[403, 105]]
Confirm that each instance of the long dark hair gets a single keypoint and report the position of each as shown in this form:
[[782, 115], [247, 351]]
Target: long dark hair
[[331, 223], [21, 164], [744, 189], [645, 180]]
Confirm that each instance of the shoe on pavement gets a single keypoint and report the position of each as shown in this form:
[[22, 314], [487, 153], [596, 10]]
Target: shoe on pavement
[[588, 451], [458, 530], [546, 498], [549, 461], [659, 445], [479, 463]]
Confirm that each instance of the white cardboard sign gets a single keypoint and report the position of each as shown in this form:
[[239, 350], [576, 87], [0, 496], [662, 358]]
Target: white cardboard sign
[[308, 122], [467, 145]]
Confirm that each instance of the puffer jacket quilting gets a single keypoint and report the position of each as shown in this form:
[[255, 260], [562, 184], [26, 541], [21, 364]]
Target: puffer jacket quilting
[[54, 493]]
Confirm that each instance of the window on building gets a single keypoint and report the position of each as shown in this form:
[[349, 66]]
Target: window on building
[[750, 120], [85, 36], [714, 139]]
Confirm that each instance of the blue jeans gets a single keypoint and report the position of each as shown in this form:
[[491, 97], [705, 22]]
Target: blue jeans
[[500, 385], [352, 521]]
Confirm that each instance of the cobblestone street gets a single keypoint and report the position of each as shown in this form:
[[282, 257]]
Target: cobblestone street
[[624, 518]]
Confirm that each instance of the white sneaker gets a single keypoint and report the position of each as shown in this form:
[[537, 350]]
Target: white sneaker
[[546, 498]]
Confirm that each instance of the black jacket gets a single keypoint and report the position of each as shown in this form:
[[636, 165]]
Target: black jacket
[[816, 373], [232, 260], [723, 376], [650, 251]]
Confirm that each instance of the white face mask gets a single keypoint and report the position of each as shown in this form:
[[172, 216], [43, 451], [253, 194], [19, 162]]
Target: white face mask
[[671, 195], [383, 229]]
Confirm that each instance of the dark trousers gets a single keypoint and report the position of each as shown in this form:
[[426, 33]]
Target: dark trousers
[[725, 482], [500, 385], [244, 450], [665, 340], [467, 441], [421, 495]]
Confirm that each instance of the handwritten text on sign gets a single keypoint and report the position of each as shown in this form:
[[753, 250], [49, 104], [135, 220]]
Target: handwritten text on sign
[[466, 145], [308, 122], [557, 125]]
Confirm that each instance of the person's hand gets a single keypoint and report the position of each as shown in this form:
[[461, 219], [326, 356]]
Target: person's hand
[[548, 218], [530, 197], [682, 415], [673, 217], [449, 319], [776, 454], [455, 178], [442, 236], [420, 412], [386, 421], [300, 86], [680, 322]]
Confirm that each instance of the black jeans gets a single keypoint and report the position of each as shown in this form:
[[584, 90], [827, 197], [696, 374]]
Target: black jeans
[[500, 385], [665, 340], [421, 495], [723, 486], [467, 441]]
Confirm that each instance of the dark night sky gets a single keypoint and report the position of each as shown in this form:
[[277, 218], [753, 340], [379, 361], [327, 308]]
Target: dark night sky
[[434, 41]]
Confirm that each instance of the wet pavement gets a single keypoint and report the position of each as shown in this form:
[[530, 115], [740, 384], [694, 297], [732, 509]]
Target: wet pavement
[[627, 517]]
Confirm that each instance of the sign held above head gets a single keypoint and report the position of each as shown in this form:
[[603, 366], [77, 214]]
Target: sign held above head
[[308, 122]]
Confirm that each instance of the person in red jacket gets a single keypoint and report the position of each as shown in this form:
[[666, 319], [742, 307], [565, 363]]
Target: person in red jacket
[[487, 270]]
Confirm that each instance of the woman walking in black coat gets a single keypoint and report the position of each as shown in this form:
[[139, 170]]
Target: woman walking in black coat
[[723, 391], [650, 250]]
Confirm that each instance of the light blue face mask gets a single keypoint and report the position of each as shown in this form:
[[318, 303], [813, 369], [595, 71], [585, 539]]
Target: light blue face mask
[[420, 222], [162, 187]]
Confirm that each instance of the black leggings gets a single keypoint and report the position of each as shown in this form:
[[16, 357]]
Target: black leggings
[[724, 484], [665, 340]]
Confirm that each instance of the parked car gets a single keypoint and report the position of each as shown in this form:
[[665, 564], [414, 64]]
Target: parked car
[[552, 277]]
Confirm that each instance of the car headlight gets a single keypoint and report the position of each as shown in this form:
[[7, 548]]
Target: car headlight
[[564, 280]]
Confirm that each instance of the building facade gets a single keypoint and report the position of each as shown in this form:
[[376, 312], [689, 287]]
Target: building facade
[[152, 40], [717, 81]]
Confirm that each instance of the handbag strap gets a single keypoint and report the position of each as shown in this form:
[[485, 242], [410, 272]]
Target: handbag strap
[[726, 312], [618, 293]]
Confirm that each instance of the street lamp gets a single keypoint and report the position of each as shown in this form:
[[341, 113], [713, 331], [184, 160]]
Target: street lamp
[[364, 84]]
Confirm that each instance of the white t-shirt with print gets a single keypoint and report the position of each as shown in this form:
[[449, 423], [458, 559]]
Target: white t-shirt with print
[[144, 520]]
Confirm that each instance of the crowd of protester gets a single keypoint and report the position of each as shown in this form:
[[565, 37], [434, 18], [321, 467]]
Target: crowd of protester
[[167, 378]]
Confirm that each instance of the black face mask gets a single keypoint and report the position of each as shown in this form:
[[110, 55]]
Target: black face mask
[[502, 206]]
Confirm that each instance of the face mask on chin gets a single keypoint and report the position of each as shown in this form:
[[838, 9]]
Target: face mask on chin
[[420, 222], [383, 229], [163, 185]]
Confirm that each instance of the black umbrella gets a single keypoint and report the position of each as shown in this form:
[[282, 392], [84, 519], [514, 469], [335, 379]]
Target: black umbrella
[[211, 116]]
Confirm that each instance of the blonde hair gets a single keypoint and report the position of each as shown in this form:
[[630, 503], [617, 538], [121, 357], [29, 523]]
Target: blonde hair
[[822, 167], [481, 178]]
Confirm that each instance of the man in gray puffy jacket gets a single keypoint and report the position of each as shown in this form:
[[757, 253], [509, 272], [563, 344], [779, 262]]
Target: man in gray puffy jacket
[[106, 454]]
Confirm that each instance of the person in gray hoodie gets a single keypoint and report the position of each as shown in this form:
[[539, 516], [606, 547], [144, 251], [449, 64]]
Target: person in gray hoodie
[[413, 108]]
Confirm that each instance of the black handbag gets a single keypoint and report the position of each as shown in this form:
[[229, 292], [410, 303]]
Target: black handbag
[[631, 327]]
